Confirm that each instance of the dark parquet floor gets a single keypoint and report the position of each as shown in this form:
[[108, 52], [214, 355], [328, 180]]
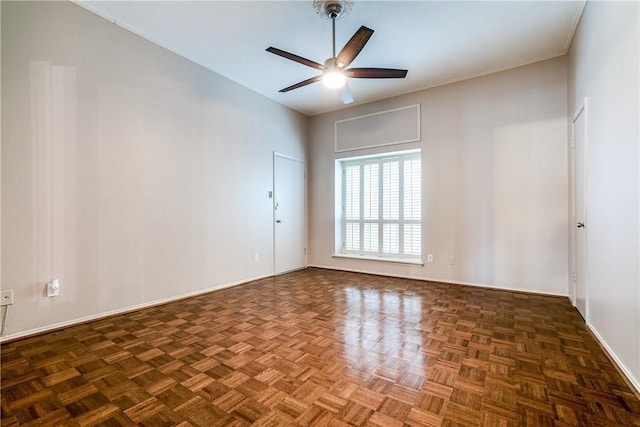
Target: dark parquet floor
[[323, 348]]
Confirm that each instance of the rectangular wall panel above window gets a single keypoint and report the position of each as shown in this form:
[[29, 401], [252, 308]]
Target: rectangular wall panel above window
[[390, 127]]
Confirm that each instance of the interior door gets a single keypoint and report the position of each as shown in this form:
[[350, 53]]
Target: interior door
[[580, 224], [289, 214]]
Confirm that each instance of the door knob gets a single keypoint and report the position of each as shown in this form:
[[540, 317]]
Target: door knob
[[580, 225], [278, 221]]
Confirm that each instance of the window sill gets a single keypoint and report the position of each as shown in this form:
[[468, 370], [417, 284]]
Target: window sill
[[380, 259]]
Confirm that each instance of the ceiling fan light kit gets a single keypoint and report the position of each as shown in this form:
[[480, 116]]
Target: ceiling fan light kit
[[333, 77], [334, 71]]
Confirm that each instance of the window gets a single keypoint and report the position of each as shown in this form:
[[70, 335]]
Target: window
[[382, 206]]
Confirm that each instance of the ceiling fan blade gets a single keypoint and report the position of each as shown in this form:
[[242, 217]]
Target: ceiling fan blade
[[296, 58], [353, 47], [375, 73], [302, 83], [345, 94]]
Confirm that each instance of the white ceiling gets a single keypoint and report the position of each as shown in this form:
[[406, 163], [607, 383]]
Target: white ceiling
[[437, 41]]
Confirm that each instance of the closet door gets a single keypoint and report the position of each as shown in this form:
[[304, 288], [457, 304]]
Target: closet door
[[289, 214]]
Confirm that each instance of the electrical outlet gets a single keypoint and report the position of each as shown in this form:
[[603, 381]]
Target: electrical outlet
[[429, 258], [53, 288], [257, 257], [6, 298]]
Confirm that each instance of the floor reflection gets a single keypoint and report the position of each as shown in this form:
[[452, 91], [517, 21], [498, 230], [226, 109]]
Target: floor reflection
[[379, 331]]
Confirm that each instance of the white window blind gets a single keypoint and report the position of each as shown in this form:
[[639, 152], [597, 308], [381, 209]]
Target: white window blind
[[382, 206]]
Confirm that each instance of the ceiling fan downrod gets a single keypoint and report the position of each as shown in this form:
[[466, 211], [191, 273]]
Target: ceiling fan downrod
[[333, 30], [332, 9]]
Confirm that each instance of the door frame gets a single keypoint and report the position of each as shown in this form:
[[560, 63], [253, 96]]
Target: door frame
[[582, 109], [277, 154]]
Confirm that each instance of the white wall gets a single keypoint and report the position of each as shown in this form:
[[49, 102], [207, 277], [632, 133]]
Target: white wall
[[603, 66], [495, 192], [129, 173]]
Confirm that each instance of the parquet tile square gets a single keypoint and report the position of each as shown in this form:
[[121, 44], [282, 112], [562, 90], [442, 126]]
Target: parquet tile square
[[322, 348]]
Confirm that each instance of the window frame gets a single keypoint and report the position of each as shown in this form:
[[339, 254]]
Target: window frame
[[380, 221]]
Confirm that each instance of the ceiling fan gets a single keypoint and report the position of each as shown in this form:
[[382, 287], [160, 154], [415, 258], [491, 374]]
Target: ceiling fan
[[334, 71]]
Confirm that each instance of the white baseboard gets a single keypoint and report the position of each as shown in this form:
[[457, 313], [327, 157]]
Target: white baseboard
[[128, 309], [452, 282], [612, 355]]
